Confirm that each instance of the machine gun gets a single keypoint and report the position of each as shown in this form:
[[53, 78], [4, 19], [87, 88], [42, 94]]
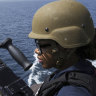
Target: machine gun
[[10, 84]]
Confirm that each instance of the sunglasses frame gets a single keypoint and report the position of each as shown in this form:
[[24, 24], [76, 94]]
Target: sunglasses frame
[[53, 45], [38, 46]]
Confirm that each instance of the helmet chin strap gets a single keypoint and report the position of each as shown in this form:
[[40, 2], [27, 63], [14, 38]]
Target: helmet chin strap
[[62, 57]]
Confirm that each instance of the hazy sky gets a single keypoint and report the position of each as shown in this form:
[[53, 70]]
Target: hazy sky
[[25, 0], [12, 0], [16, 0], [19, 0]]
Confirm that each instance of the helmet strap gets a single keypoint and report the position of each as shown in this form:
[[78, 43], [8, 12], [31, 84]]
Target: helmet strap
[[63, 57]]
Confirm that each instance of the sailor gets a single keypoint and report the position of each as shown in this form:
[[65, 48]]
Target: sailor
[[64, 34]]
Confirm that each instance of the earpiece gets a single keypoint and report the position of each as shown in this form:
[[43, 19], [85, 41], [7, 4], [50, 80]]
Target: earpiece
[[54, 50]]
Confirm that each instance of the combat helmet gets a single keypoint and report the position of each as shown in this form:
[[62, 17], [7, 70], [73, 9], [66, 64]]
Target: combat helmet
[[67, 22]]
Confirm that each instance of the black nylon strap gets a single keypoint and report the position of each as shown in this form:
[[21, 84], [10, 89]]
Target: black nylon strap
[[49, 88], [83, 80], [49, 83]]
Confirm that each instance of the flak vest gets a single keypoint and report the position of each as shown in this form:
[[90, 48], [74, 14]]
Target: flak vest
[[51, 87]]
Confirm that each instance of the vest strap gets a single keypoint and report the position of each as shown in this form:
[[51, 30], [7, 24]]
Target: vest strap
[[75, 78]]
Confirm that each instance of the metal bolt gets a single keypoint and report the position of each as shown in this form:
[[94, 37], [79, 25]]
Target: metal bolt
[[46, 29]]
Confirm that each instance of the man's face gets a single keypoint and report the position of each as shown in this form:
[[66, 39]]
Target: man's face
[[44, 51]]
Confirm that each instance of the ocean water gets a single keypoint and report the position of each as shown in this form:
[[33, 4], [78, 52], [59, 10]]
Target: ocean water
[[16, 22]]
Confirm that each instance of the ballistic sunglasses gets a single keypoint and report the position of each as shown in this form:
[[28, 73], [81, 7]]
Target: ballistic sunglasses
[[41, 46]]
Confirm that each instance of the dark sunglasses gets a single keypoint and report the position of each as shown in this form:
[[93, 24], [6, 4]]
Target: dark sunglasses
[[41, 46]]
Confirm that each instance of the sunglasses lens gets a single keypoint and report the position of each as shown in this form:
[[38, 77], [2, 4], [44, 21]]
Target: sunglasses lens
[[43, 46], [38, 46]]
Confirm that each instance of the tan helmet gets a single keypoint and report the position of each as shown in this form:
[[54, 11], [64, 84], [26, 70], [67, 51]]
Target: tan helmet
[[66, 21]]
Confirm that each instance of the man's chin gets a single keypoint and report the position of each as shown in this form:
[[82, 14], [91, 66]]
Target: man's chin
[[45, 66]]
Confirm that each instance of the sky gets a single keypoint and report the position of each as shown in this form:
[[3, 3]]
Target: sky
[[12, 0], [15, 0], [19, 0]]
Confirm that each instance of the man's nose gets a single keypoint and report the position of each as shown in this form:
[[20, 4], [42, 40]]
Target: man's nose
[[37, 51]]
